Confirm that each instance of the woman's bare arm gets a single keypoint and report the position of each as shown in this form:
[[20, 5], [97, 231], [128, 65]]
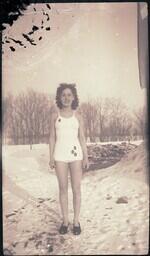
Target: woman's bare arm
[[83, 141], [52, 138]]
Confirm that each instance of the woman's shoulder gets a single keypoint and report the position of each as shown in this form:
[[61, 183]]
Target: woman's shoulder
[[78, 115], [53, 112]]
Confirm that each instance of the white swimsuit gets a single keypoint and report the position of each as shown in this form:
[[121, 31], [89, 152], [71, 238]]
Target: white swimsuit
[[67, 147]]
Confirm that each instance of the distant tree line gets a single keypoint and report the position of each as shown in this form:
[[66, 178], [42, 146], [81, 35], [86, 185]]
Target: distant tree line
[[26, 119], [109, 119]]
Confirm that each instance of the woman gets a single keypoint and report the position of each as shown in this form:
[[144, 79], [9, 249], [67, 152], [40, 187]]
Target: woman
[[68, 149]]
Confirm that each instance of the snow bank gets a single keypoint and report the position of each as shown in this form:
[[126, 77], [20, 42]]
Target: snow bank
[[114, 211]]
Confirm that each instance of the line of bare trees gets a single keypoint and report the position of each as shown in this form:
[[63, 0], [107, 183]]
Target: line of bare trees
[[26, 119], [109, 119]]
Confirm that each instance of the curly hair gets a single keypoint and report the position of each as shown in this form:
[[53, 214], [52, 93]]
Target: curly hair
[[60, 89]]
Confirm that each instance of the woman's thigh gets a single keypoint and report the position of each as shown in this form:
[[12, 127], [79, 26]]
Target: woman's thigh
[[76, 174], [61, 169]]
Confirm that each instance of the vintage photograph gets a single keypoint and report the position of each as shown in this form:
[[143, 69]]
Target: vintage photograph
[[75, 168]]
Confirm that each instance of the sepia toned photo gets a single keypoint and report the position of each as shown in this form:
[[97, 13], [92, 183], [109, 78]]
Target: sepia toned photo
[[75, 174]]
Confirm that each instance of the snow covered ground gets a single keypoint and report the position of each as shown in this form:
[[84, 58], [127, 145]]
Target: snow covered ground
[[114, 211], [136, 142]]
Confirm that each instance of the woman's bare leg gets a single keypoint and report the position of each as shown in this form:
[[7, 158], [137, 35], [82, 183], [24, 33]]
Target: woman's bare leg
[[62, 176], [76, 176]]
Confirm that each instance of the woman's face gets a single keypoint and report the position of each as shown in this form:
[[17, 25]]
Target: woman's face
[[67, 97]]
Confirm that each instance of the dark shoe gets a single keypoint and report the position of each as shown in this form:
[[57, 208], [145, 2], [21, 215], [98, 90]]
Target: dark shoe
[[76, 229], [63, 229]]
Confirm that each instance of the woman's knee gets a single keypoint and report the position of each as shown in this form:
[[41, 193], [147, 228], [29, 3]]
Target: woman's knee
[[76, 191], [63, 189]]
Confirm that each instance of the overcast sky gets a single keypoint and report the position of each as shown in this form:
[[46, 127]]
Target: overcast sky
[[91, 44]]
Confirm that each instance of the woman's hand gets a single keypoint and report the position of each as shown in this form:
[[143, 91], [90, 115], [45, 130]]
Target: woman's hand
[[85, 163], [52, 163]]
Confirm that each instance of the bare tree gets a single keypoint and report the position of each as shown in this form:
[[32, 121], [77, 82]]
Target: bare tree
[[102, 114], [106, 118], [28, 117], [7, 105], [115, 121], [141, 121], [89, 112], [118, 118]]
